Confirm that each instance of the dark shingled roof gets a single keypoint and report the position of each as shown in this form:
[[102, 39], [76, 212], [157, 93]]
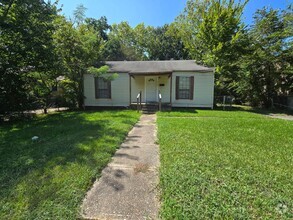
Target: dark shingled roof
[[166, 66]]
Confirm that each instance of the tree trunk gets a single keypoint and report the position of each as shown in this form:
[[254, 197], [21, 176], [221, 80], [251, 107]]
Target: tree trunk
[[80, 96], [270, 88]]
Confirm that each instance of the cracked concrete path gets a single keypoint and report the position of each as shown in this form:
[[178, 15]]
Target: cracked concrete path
[[127, 188]]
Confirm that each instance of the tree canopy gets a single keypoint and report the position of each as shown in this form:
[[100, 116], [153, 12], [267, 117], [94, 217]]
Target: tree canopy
[[212, 31], [26, 45], [267, 70], [38, 45]]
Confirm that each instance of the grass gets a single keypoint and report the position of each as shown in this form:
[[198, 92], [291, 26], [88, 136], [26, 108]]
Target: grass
[[48, 179], [225, 165]]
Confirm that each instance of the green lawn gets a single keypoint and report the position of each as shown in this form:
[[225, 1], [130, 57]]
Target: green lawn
[[225, 165], [48, 179]]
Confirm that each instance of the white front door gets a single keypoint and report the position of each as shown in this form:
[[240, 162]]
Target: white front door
[[151, 88]]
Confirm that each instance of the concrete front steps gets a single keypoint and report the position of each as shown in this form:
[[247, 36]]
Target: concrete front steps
[[151, 108]]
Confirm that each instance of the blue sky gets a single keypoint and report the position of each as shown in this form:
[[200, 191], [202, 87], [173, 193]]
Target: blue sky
[[151, 12]]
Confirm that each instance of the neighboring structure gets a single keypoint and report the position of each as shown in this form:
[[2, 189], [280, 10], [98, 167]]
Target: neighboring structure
[[179, 83]]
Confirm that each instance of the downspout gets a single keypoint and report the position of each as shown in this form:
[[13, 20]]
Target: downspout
[[213, 88]]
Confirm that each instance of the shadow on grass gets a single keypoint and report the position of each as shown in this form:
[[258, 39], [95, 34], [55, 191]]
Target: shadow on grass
[[72, 150], [271, 111], [263, 111]]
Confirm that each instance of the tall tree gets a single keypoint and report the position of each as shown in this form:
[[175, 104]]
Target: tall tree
[[144, 43], [212, 32], [26, 44], [113, 50], [101, 26], [163, 43], [267, 71], [78, 47], [79, 15], [123, 43]]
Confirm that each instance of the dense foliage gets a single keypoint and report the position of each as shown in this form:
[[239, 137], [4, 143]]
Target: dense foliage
[[26, 45], [41, 50], [212, 32], [266, 71], [78, 49]]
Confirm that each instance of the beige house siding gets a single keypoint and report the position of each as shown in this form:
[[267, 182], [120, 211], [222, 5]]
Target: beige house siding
[[203, 93], [203, 90], [165, 90], [137, 85], [119, 91]]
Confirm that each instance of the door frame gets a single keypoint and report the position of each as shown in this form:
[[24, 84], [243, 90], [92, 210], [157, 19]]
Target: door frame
[[145, 87]]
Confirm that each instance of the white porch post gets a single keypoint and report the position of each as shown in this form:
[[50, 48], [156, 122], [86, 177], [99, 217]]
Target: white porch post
[[171, 90], [130, 89]]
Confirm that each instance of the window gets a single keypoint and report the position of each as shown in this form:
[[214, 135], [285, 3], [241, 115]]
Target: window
[[184, 87], [103, 88]]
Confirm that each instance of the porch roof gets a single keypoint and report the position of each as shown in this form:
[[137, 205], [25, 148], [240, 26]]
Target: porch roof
[[151, 67]]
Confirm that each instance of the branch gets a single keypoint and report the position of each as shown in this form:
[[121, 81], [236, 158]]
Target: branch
[[7, 10], [101, 72]]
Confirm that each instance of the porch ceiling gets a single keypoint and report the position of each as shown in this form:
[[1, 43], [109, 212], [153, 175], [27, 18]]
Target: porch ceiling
[[150, 74]]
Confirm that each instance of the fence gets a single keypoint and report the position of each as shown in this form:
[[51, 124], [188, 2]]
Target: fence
[[224, 101], [283, 102], [280, 102]]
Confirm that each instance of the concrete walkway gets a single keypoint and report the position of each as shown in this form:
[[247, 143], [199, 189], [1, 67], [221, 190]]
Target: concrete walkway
[[127, 188], [285, 117]]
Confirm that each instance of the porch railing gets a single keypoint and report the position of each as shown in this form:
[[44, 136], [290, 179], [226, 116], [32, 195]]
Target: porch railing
[[138, 100], [160, 101]]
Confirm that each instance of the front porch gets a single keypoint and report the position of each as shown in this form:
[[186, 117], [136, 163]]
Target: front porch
[[151, 92]]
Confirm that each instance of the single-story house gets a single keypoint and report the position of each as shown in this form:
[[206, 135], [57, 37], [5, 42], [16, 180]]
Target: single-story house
[[177, 83]]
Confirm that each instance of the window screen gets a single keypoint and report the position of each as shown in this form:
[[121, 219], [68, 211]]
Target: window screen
[[103, 88], [184, 87]]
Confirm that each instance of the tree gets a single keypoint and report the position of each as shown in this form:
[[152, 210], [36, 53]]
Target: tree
[[79, 15], [122, 44], [113, 50], [267, 70], [101, 26], [26, 45], [163, 43], [143, 43], [78, 48], [212, 32], [41, 86]]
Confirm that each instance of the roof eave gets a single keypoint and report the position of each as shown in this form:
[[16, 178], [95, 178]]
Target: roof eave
[[160, 72], [201, 71]]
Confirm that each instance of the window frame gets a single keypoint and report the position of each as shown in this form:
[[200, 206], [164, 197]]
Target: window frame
[[191, 87], [97, 90]]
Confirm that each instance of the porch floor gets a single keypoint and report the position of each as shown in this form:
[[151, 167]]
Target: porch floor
[[151, 103]]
